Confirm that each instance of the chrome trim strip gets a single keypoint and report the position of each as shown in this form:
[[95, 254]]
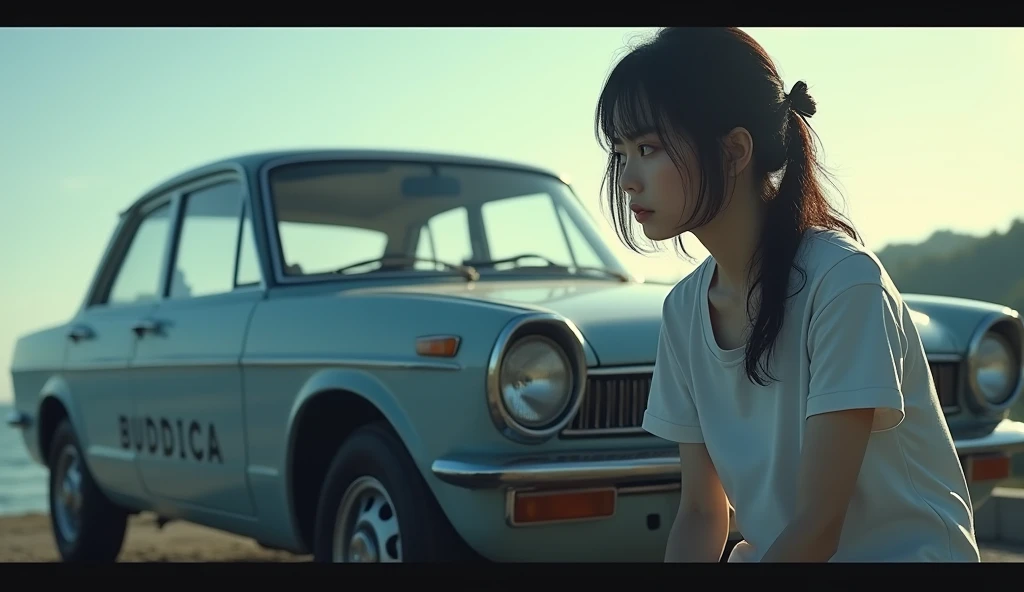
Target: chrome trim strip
[[18, 419], [617, 370], [650, 489], [990, 321], [565, 334], [352, 362], [184, 362], [598, 432], [1007, 437], [273, 361], [559, 470]]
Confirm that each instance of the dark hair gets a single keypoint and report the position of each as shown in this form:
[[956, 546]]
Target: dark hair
[[695, 85]]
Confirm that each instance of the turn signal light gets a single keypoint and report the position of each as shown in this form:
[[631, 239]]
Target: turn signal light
[[989, 468], [538, 507], [437, 346]]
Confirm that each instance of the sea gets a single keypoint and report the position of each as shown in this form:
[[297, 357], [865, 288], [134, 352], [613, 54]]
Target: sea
[[23, 482]]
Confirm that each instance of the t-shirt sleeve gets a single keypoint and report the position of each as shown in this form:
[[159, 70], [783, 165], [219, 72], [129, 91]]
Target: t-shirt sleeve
[[857, 346], [670, 412]]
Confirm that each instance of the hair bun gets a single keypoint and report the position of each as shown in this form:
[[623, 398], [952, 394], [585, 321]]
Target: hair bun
[[800, 100]]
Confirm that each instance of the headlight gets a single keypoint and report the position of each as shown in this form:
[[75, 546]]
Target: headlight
[[994, 364], [994, 369], [535, 377], [535, 382]]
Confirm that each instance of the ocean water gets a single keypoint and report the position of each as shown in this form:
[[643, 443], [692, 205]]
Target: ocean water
[[23, 482]]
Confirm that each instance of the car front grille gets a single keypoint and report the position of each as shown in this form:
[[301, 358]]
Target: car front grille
[[946, 376], [614, 404]]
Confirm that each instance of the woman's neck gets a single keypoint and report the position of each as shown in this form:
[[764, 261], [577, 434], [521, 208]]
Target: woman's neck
[[732, 239]]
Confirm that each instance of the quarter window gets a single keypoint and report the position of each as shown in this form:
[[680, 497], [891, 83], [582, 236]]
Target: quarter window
[[138, 278]]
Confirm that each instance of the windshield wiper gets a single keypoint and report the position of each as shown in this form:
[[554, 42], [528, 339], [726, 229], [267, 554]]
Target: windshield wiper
[[466, 271], [550, 265]]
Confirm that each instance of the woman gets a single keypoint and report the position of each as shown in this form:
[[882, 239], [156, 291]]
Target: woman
[[789, 370]]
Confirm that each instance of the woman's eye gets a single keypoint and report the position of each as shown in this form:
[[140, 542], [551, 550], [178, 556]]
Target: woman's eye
[[645, 147]]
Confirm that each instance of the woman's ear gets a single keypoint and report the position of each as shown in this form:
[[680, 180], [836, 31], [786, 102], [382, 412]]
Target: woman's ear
[[739, 149]]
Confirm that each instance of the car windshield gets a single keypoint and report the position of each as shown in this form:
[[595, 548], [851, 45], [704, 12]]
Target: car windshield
[[342, 218]]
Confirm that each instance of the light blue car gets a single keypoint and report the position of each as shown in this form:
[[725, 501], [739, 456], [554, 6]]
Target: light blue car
[[387, 356]]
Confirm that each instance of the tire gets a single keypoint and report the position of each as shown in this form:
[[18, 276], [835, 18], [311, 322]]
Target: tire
[[98, 532], [397, 519]]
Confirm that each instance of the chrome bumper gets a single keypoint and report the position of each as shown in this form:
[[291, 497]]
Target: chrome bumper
[[638, 467], [558, 470], [17, 419], [1007, 437]]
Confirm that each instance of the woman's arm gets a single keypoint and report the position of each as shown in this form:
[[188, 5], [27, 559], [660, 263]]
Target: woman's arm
[[833, 449], [701, 525]]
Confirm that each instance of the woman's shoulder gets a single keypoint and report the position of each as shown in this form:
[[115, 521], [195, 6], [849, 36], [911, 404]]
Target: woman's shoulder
[[832, 262]]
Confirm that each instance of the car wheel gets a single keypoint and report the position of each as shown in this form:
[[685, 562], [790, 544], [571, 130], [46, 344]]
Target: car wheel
[[86, 525], [375, 507]]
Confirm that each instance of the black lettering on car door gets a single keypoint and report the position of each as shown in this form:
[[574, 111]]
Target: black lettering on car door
[[213, 447], [193, 429], [166, 437], [152, 437]]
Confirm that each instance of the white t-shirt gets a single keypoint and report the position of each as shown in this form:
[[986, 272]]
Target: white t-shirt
[[847, 342]]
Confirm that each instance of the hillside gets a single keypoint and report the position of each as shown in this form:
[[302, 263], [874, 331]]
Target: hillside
[[984, 268]]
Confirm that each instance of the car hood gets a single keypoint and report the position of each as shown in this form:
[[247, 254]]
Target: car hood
[[620, 321]]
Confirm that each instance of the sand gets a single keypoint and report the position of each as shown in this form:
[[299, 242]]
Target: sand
[[28, 538]]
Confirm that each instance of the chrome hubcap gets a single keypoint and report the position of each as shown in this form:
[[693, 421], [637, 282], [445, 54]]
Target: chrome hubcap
[[67, 493], [366, 530]]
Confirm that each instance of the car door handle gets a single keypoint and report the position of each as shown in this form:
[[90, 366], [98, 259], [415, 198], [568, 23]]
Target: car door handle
[[80, 333], [147, 326]]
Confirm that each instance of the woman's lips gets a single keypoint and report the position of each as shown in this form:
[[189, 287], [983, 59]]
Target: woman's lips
[[640, 214]]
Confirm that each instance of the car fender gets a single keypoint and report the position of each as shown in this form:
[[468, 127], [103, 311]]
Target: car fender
[[350, 382], [55, 389]]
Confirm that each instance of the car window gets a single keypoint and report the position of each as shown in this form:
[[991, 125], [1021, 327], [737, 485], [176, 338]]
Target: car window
[[138, 278], [208, 242], [582, 250], [248, 272], [525, 224], [332, 214], [445, 237], [322, 248]]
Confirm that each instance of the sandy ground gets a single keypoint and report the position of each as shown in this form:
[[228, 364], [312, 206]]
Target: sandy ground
[[28, 538]]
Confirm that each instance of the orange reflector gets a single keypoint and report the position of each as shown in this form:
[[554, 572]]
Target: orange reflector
[[440, 346], [988, 468], [533, 507]]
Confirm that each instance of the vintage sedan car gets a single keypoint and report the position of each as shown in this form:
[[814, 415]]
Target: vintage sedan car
[[383, 356]]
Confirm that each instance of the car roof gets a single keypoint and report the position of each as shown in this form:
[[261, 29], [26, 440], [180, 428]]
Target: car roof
[[254, 161]]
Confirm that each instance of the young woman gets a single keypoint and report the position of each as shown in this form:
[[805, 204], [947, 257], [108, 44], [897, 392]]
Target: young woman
[[789, 370]]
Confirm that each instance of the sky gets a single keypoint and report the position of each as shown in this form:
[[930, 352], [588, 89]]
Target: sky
[[920, 126]]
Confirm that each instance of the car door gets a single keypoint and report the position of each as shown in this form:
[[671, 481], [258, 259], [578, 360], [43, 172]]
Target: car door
[[102, 342], [192, 407]]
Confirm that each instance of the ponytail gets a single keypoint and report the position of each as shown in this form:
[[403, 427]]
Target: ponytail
[[798, 204]]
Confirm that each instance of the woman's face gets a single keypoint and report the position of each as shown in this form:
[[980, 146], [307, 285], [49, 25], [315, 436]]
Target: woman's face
[[660, 194]]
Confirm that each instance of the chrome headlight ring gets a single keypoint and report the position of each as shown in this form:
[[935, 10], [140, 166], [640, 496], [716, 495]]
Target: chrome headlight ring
[[554, 340], [995, 362]]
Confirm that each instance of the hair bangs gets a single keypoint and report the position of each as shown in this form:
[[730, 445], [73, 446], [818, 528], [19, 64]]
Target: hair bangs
[[635, 102]]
